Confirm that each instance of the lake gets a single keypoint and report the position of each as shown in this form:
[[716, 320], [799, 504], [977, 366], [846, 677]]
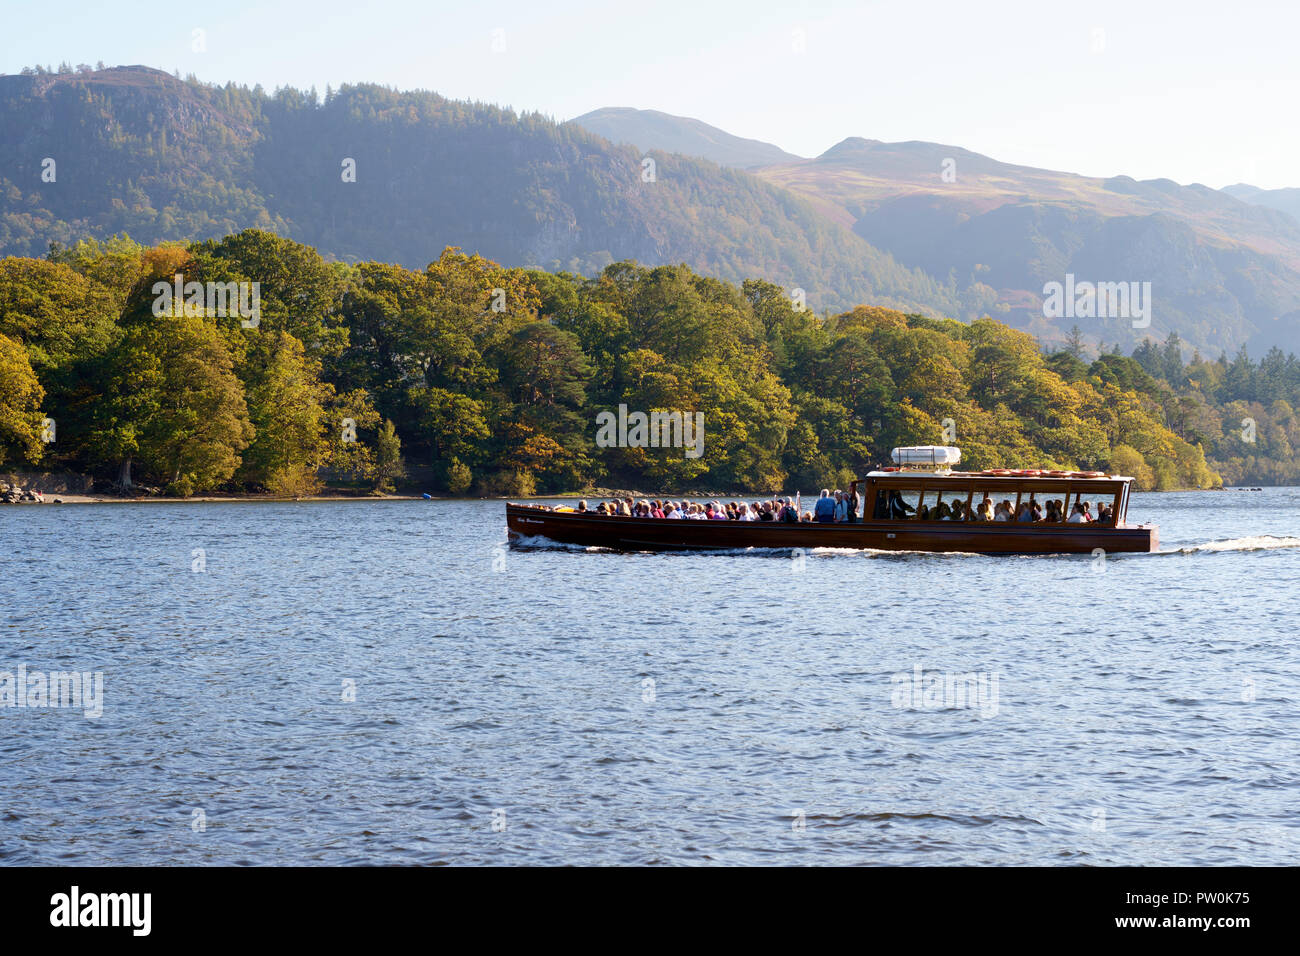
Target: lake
[[387, 682]]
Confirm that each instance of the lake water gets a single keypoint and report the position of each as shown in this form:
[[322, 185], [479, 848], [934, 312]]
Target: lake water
[[555, 705]]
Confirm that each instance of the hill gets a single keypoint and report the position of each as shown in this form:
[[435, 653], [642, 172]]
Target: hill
[[1285, 200], [366, 172], [1222, 271], [651, 129]]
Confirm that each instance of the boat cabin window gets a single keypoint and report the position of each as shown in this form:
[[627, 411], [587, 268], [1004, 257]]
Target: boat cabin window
[[896, 503]]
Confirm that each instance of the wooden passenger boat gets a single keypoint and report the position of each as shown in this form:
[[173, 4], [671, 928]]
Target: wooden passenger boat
[[917, 484]]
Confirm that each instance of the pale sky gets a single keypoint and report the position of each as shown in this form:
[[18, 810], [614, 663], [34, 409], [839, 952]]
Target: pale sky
[[1192, 91]]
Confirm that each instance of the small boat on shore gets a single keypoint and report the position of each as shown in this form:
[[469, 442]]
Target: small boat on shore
[[898, 514]]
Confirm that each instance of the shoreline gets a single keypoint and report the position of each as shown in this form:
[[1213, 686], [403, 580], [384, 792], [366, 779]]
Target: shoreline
[[101, 499], [72, 499]]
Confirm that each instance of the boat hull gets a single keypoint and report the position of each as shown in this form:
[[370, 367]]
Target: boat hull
[[662, 534]]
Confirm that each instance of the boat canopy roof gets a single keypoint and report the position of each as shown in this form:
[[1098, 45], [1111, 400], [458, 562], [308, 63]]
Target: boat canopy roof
[[1004, 475]]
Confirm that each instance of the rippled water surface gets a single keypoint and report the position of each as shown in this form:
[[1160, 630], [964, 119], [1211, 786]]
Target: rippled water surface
[[553, 705]]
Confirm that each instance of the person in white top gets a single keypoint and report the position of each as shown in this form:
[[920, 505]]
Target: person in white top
[[1077, 516]]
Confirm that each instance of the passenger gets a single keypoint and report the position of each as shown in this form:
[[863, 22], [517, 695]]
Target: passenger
[[765, 514], [658, 510], [1087, 512], [898, 508], [788, 513], [941, 511], [1077, 516], [959, 510], [841, 507], [824, 509], [1104, 515], [986, 509], [673, 511], [1002, 512], [718, 513], [582, 506], [1037, 509], [807, 516], [924, 513], [1026, 513], [601, 509], [852, 497]]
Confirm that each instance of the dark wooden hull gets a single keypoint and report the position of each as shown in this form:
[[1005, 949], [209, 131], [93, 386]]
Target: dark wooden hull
[[661, 534]]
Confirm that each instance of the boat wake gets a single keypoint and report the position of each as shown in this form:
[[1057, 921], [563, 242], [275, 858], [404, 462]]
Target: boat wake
[[1263, 542], [1259, 542]]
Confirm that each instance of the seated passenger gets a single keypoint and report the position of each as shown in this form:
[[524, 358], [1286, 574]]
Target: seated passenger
[[985, 512], [941, 511], [807, 516], [582, 506], [1087, 512], [673, 511], [1002, 512], [1025, 513], [824, 509], [765, 513], [1077, 516], [841, 507], [1104, 515], [959, 510]]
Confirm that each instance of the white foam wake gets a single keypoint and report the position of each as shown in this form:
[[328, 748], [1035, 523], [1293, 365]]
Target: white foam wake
[[1258, 542]]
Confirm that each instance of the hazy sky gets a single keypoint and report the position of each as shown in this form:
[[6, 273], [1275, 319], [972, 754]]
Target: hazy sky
[[1193, 91]]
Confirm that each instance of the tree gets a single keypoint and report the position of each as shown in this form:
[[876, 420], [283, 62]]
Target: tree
[[388, 458], [20, 404], [173, 402], [286, 405], [1074, 342]]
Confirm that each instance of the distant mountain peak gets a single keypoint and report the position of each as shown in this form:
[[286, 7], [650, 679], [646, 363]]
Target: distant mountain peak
[[652, 129]]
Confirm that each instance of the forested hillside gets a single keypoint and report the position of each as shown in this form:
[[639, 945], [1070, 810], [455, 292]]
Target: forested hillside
[[369, 173], [485, 379]]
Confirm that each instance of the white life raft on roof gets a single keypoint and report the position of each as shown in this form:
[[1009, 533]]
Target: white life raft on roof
[[934, 455]]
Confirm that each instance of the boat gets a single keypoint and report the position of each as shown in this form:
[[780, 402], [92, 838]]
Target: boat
[[922, 475]]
